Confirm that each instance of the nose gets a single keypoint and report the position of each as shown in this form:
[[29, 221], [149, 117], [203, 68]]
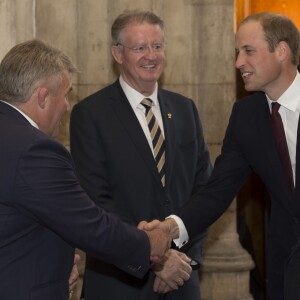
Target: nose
[[149, 51], [239, 62]]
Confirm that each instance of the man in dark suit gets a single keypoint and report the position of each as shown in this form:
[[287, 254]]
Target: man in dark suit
[[117, 162], [268, 48], [44, 212]]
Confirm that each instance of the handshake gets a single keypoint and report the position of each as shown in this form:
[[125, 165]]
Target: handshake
[[171, 267]]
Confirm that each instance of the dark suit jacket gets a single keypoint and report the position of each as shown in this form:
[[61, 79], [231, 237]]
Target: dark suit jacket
[[117, 169], [45, 214], [249, 146]]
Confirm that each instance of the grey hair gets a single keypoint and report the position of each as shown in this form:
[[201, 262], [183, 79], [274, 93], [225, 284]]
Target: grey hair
[[133, 17], [29, 64]]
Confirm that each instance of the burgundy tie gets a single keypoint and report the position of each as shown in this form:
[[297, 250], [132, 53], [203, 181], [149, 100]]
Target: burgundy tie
[[281, 144]]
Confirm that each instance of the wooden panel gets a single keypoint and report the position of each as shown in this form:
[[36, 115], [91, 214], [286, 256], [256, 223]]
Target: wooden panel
[[287, 7]]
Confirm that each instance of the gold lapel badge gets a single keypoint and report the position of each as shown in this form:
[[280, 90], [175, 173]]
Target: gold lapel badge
[[169, 116]]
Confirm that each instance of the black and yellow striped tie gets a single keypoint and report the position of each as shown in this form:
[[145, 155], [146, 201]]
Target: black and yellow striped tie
[[157, 138]]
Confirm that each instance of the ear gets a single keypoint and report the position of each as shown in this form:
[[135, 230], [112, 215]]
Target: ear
[[42, 94], [117, 54], [283, 51]]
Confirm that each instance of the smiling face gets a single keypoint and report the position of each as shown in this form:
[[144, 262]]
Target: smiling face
[[261, 69], [140, 70]]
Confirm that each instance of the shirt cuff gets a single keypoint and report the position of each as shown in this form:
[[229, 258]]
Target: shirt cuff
[[183, 235]]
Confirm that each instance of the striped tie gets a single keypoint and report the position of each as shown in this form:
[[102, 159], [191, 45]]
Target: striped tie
[[157, 138]]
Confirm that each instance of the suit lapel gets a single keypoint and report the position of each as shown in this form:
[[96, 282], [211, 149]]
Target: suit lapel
[[130, 122], [168, 118], [297, 177]]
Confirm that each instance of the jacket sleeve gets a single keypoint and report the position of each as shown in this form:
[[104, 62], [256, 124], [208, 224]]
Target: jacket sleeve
[[211, 199], [47, 191]]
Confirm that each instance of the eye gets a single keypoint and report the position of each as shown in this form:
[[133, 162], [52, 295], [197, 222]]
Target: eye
[[249, 51], [157, 47], [139, 49]]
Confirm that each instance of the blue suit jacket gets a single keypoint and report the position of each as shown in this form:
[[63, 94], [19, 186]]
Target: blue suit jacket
[[117, 169], [45, 214], [249, 146]]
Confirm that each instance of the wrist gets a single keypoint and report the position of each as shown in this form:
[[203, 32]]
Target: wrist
[[172, 227]]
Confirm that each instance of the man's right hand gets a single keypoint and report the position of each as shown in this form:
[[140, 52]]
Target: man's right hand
[[160, 242], [169, 226]]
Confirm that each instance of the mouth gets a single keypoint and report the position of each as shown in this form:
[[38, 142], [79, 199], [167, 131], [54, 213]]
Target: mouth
[[149, 67], [245, 75]]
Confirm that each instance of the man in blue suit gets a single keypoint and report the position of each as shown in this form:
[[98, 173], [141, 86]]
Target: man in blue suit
[[44, 212], [268, 49], [117, 163]]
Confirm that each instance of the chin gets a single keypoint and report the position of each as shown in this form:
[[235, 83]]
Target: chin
[[151, 78], [248, 88]]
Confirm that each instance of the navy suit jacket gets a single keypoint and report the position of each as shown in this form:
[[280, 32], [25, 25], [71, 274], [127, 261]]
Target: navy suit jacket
[[117, 169], [249, 147], [45, 214]]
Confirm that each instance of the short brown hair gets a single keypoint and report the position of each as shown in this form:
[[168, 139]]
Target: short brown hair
[[278, 28]]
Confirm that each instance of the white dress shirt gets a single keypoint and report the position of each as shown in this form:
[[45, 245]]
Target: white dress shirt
[[289, 112], [135, 98]]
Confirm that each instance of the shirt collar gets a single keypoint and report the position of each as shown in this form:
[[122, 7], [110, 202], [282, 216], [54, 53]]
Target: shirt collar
[[290, 99], [134, 97], [23, 114]]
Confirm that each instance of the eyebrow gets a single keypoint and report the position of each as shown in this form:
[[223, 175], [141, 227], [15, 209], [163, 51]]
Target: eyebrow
[[244, 47]]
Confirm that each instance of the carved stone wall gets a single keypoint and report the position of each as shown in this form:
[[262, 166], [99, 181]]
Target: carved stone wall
[[200, 55]]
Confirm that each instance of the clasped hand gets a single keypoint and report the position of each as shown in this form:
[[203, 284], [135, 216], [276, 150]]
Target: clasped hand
[[173, 269], [160, 242], [74, 276], [171, 273]]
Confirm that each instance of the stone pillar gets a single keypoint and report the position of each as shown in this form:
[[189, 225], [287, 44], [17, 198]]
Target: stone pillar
[[225, 274], [200, 53], [56, 23], [16, 23], [6, 28]]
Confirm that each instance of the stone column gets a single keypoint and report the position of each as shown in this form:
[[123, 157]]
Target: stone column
[[56, 23], [200, 52], [16, 23], [225, 274]]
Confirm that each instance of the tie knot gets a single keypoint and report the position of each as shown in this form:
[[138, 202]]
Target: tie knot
[[147, 103], [275, 107]]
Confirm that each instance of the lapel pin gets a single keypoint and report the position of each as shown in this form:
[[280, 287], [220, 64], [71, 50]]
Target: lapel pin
[[169, 116]]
